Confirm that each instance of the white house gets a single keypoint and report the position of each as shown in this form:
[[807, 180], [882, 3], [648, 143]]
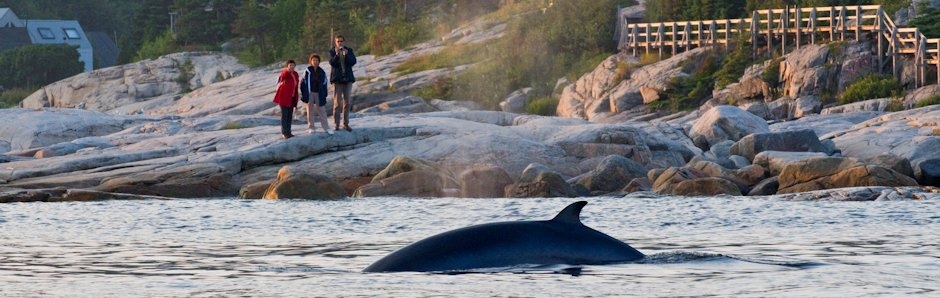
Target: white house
[[51, 32]]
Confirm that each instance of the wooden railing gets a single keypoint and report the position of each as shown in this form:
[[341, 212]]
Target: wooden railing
[[803, 25]]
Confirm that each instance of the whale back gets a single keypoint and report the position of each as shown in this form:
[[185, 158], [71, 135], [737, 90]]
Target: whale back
[[561, 240]]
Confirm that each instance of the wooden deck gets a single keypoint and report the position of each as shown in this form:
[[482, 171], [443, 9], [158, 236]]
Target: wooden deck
[[791, 26]]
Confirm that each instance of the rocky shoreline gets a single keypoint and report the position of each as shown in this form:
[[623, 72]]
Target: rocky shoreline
[[136, 132]]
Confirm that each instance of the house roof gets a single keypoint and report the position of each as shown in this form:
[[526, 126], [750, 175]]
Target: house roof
[[57, 32], [13, 37], [8, 19]]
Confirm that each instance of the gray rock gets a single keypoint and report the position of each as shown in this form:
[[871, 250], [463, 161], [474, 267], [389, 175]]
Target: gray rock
[[765, 187], [537, 181], [789, 141], [483, 181], [725, 123], [612, 174]]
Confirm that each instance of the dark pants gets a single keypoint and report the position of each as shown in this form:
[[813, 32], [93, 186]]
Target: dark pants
[[341, 93], [287, 116]]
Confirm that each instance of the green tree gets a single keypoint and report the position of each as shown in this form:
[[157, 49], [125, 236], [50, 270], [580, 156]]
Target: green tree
[[38, 65], [253, 22]]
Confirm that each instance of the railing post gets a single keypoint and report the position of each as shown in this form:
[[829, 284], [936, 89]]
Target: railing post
[[799, 26], [688, 36], [713, 35], [784, 19], [842, 24], [728, 33], [812, 24], [635, 32], [832, 23], [770, 30], [649, 36], [858, 23], [701, 34], [660, 41], [755, 31], [675, 36], [920, 58], [879, 19]]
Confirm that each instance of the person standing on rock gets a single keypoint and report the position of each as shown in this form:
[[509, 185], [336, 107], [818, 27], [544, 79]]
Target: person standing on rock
[[286, 96], [313, 89], [342, 60]]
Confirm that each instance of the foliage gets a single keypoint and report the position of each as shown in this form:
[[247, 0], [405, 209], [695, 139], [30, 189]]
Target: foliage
[[439, 89], [539, 47], [870, 87], [928, 22], [29, 66], [929, 101], [771, 75], [544, 106], [11, 98], [735, 63], [687, 92], [450, 57], [162, 45]]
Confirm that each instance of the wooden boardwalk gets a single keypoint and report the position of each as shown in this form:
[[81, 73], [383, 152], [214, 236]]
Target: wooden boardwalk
[[791, 26]]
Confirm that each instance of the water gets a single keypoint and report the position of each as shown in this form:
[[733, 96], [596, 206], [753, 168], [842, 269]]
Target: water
[[257, 248]]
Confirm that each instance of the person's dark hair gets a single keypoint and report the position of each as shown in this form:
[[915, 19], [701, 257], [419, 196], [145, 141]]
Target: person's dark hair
[[314, 56], [339, 37], [289, 62]]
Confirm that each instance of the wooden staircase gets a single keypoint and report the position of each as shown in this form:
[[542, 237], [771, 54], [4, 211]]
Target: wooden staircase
[[791, 26]]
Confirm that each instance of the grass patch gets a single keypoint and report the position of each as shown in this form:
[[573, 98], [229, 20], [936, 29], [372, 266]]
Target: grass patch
[[544, 106], [929, 101], [11, 98], [870, 87], [450, 57]]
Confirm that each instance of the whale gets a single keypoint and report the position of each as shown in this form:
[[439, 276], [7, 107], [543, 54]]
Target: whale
[[562, 240]]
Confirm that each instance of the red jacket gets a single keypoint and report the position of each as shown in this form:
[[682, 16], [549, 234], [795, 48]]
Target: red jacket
[[287, 83]]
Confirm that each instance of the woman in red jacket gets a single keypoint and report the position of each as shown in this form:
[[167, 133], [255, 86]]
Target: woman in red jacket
[[286, 96]]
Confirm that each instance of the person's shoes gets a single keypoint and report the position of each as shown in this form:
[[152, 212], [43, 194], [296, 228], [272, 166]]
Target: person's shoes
[[346, 127], [336, 127], [329, 132], [288, 136], [310, 131]]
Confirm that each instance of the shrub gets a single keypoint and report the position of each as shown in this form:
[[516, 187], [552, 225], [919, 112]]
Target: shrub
[[11, 98], [870, 87], [450, 57], [544, 106], [771, 76], [929, 101], [162, 45], [28, 66], [439, 89], [687, 92]]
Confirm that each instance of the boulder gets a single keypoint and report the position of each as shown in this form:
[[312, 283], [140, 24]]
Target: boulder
[[766, 187], [418, 183], [899, 164], [723, 123], [638, 184], [516, 101], [483, 181], [834, 172], [537, 181], [928, 172], [806, 105], [292, 185], [254, 190], [775, 161], [612, 174], [667, 181], [789, 141], [709, 186]]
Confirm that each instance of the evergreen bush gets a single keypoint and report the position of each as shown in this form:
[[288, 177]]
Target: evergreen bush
[[871, 87]]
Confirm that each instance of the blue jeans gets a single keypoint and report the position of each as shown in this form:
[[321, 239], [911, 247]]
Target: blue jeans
[[287, 116]]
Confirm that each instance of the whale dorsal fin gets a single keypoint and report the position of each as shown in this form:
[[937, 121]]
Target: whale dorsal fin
[[571, 214]]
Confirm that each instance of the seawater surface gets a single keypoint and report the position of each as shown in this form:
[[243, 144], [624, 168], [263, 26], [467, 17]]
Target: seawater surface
[[717, 246]]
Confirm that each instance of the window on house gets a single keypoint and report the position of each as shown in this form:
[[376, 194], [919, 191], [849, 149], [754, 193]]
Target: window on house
[[46, 33], [71, 33]]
